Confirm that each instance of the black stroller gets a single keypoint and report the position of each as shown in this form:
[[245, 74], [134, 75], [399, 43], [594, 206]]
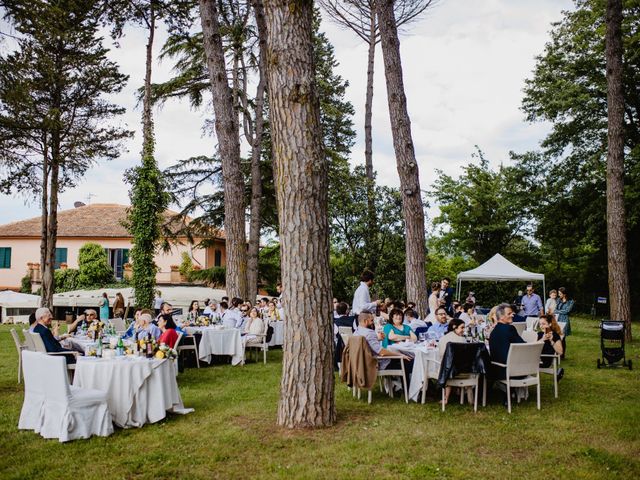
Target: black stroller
[[612, 344]]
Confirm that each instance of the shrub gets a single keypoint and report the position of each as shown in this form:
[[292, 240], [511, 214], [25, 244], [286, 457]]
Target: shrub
[[214, 276], [93, 266], [186, 266], [66, 279], [25, 284]]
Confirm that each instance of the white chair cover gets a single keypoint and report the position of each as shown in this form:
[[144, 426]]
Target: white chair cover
[[65, 413]]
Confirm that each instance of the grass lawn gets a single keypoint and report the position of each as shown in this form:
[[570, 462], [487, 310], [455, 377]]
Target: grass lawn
[[591, 431]]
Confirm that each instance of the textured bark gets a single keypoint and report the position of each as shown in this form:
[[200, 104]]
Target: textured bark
[[405, 157], [147, 120], [256, 152], [616, 222], [46, 296], [300, 172], [371, 246], [227, 132], [48, 284]]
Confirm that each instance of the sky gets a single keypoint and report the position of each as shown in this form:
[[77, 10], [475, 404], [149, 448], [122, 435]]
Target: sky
[[464, 65]]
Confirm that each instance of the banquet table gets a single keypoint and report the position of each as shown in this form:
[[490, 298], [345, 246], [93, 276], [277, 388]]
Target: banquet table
[[278, 333], [139, 390], [426, 359], [219, 341], [79, 343]]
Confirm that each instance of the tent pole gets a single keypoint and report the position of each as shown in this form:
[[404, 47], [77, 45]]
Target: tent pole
[[544, 295]]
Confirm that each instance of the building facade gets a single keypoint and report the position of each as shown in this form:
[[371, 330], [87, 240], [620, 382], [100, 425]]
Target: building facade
[[102, 224]]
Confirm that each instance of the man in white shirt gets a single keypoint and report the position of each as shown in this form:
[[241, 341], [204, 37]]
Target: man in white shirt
[[412, 319], [361, 298]]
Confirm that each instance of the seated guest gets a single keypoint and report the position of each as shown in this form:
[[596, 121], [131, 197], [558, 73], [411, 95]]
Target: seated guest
[[137, 323], [550, 335], [502, 336], [455, 332], [440, 326], [193, 313], [147, 328], [83, 322], [32, 321], [264, 305], [51, 343], [165, 309], [253, 326], [491, 322], [272, 313], [366, 329], [244, 312], [396, 331], [169, 335], [467, 314], [413, 320], [341, 319]]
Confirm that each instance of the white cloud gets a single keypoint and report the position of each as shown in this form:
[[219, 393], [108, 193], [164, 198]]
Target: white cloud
[[464, 69]]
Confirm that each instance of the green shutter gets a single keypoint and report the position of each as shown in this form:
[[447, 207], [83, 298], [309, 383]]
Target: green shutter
[[125, 255], [61, 257], [5, 257]]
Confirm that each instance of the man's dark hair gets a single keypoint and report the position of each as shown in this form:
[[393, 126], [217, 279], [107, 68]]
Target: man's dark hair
[[447, 279], [467, 306], [163, 304], [341, 308], [410, 313], [235, 301], [224, 299], [366, 276], [264, 299], [224, 305]]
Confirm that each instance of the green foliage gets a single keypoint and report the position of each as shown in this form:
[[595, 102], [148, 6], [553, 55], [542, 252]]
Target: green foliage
[[214, 276], [52, 94], [93, 267], [66, 280], [568, 90], [186, 266], [25, 284], [481, 212]]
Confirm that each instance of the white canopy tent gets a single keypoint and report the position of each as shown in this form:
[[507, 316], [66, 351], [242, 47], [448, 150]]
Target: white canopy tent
[[499, 269], [15, 307]]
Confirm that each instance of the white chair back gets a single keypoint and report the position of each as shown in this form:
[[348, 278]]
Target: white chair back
[[16, 340], [54, 375], [37, 342], [28, 341], [520, 326], [33, 378], [532, 323], [119, 324], [524, 359], [529, 336]]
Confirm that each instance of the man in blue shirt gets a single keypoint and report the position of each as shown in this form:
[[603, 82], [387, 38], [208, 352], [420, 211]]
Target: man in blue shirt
[[532, 303], [439, 327]]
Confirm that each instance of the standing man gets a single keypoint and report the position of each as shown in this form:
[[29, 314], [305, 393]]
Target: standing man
[[446, 294], [361, 298], [532, 303]]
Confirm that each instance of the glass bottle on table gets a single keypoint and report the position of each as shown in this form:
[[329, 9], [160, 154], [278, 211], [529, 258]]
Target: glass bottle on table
[[99, 347]]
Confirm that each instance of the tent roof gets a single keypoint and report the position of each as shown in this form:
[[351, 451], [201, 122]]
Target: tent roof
[[499, 269], [11, 299]]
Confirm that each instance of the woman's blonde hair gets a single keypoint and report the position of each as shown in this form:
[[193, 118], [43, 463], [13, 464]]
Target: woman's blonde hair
[[491, 317]]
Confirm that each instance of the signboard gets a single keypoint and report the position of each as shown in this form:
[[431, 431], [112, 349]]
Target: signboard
[[601, 300]]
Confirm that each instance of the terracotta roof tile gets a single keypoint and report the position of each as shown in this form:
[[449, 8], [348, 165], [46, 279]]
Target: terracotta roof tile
[[95, 220]]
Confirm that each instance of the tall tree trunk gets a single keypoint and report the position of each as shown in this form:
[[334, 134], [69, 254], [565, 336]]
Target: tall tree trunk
[[227, 131], [372, 250], [147, 120], [616, 221], [256, 152], [412, 210], [48, 283], [46, 296], [300, 174]]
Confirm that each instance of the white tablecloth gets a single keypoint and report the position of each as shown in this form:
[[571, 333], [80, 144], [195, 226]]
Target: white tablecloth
[[214, 341], [139, 390], [278, 334], [80, 344], [424, 357]]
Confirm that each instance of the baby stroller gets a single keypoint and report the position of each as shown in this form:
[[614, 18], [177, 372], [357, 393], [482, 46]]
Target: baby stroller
[[612, 344]]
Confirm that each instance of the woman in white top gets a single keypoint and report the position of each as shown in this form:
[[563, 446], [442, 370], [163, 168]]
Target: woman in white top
[[253, 326], [434, 301], [455, 332]]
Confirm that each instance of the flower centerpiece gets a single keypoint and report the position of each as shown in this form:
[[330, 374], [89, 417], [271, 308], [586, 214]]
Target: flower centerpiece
[[95, 328], [202, 321], [165, 351]]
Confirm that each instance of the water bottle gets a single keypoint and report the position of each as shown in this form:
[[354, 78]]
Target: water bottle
[[120, 347]]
